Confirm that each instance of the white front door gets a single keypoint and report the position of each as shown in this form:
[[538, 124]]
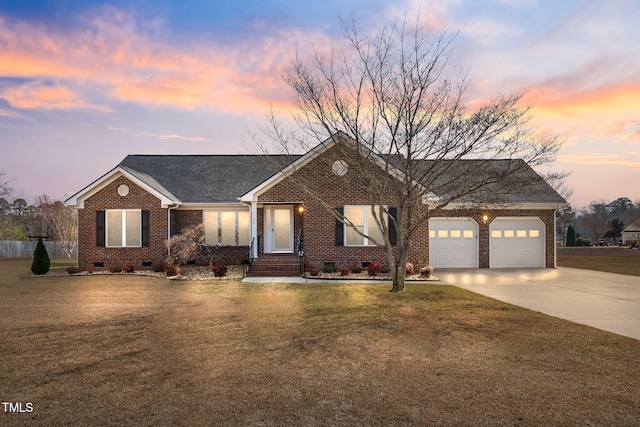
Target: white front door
[[278, 229]]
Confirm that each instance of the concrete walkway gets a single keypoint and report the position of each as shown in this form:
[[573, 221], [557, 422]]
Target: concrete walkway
[[606, 301]]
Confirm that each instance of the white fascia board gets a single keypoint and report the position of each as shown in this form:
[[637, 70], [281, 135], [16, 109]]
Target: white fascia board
[[204, 206], [252, 196], [77, 200], [514, 206]]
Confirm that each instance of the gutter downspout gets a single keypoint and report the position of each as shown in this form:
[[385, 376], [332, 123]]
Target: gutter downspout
[[555, 237], [177, 205]]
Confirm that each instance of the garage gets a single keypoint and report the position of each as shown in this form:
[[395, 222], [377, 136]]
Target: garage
[[453, 243], [516, 242]]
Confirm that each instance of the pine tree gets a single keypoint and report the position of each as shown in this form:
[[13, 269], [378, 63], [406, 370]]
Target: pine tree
[[571, 236], [41, 261]]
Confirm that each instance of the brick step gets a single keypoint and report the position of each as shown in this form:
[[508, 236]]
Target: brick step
[[274, 266]]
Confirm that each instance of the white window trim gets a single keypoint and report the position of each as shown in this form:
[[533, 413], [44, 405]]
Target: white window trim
[[367, 210], [219, 221], [124, 227]]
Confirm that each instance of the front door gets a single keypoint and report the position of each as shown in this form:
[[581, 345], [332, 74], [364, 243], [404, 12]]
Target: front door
[[278, 229]]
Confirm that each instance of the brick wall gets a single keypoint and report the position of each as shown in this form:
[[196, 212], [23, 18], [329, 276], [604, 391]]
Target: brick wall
[[318, 223], [546, 215], [108, 198]]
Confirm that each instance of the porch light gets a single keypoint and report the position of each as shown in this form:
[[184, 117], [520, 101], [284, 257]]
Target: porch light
[[485, 218], [301, 209]]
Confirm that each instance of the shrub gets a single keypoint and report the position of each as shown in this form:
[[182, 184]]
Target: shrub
[[355, 269], [171, 269], [426, 272], [115, 269], [409, 269], [128, 268], [219, 269], [157, 266], [41, 261], [72, 270], [384, 269], [329, 267], [345, 271], [374, 268], [314, 271]]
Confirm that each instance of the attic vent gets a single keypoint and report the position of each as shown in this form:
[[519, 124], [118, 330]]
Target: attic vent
[[123, 190]]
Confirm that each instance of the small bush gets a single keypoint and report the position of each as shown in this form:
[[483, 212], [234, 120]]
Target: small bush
[[157, 266], [219, 269], [115, 269], [41, 261], [409, 269], [345, 271], [384, 269], [128, 268], [171, 269], [72, 270], [374, 268], [355, 269], [426, 272], [314, 271], [329, 267]]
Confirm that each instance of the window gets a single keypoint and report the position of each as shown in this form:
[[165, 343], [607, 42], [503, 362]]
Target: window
[[534, 233], [226, 227], [124, 228], [363, 220], [521, 233]]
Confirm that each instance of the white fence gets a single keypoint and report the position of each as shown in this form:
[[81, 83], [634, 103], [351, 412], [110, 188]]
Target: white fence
[[24, 248]]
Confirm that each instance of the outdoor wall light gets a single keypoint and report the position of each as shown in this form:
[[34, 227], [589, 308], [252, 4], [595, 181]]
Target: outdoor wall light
[[301, 209], [485, 218]]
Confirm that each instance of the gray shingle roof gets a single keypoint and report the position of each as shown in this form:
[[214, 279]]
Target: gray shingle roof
[[203, 178], [514, 181], [224, 178]]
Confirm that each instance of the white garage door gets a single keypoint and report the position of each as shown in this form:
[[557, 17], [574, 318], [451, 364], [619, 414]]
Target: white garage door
[[453, 243], [516, 242]]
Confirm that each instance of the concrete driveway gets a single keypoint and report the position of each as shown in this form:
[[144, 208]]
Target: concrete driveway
[[606, 301]]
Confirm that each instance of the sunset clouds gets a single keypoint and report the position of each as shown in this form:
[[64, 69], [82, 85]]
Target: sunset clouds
[[195, 76]]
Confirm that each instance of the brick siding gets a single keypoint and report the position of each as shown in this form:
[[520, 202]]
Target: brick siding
[[108, 198]]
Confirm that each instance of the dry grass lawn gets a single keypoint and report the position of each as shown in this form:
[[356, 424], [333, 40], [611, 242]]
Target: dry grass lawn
[[613, 259], [128, 350]]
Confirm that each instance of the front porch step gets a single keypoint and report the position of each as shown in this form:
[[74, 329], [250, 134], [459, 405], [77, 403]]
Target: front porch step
[[275, 266]]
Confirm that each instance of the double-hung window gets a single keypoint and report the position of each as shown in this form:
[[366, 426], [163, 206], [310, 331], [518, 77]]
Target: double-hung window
[[226, 227], [360, 218], [124, 228]]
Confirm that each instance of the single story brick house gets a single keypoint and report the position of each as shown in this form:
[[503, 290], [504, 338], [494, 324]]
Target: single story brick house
[[251, 211]]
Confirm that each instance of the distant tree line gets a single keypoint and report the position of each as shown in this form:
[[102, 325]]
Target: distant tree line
[[600, 220], [45, 217]]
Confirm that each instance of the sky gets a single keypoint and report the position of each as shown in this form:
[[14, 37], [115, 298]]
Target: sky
[[85, 83]]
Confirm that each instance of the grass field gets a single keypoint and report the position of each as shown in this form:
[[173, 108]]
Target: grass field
[[612, 259], [128, 350]]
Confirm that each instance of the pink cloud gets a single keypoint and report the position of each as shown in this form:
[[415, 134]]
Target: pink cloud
[[116, 56]]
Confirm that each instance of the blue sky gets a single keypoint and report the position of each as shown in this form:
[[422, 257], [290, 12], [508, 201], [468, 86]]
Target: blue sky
[[83, 84]]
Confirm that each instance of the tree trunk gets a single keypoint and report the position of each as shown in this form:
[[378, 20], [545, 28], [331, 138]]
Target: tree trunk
[[399, 273]]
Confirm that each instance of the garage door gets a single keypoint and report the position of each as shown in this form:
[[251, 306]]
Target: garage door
[[453, 243], [516, 242]]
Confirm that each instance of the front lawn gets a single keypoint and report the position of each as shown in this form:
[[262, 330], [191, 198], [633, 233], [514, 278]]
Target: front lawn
[[610, 259], [133, 350]]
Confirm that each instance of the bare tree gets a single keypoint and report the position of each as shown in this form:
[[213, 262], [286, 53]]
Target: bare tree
[[190, 245], [5, 189], [389, 104], [53, 219]]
